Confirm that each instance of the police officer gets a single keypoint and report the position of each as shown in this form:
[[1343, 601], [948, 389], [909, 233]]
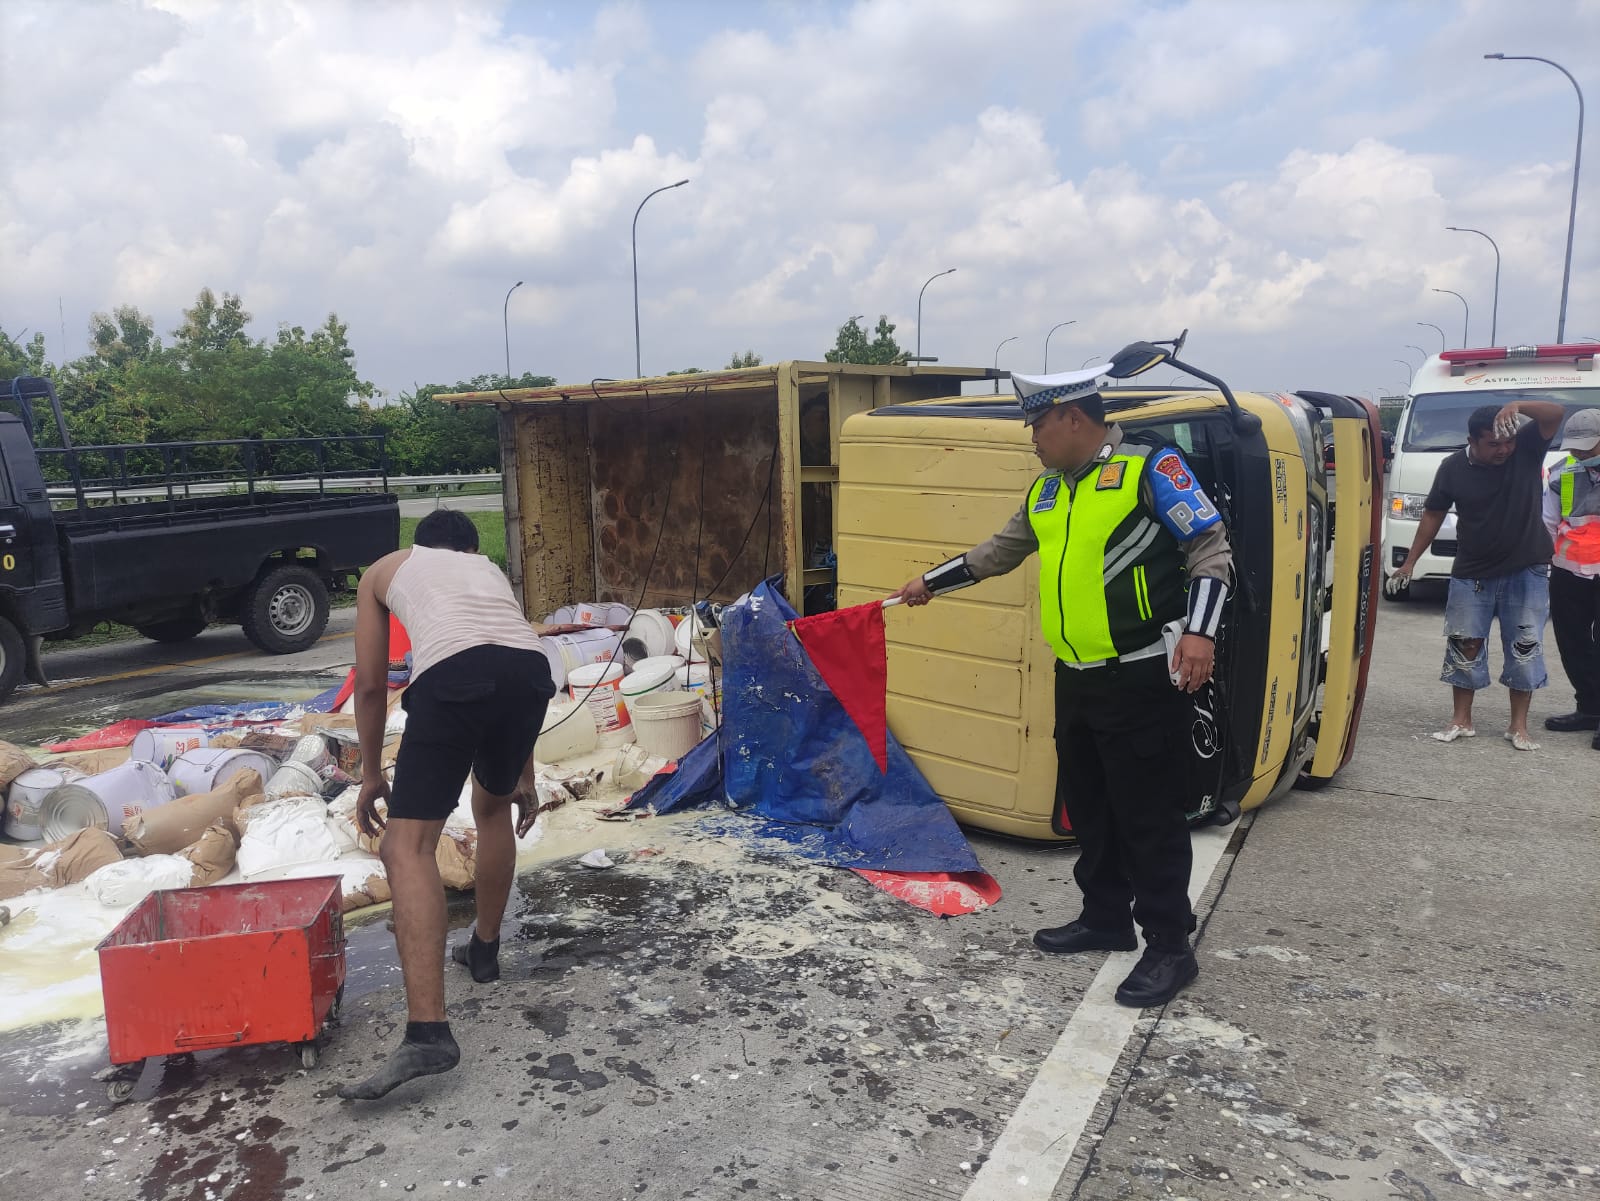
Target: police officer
[[1572, 515], [1133, 570]]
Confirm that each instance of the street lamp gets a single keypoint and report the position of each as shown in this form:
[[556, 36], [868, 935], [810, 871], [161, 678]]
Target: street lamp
[[924, 288], [1466, 313], [505, 318], [1420, 351], [1494, 313], [1436, 330], [1047, 338], [1094, 358], [638, 369], [1411, 373], [1577, 161], [1012, 338]]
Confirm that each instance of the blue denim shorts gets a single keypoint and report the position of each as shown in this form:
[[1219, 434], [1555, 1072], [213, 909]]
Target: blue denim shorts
[[1521, 603]]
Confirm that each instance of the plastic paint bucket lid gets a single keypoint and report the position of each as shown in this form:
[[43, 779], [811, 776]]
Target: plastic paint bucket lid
[[658, 678], [591, 674]]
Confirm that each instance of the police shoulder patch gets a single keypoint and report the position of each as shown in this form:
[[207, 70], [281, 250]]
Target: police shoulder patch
[[1048, 491], [1172, 466], [1110, 476]]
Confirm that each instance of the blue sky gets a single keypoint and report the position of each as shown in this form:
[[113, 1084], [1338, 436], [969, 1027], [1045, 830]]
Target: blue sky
[[1274, 176]]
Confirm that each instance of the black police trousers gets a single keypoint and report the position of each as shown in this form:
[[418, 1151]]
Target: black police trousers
[[1122, 745], [1575, 614]]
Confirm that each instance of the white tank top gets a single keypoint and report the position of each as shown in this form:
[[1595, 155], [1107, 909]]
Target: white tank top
[[450, 601]]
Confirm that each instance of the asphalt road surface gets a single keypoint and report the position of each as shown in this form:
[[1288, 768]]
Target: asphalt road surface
[[1398, 999]]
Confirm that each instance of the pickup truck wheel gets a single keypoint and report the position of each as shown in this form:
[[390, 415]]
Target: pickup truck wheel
[[179, 629], [13, 658], [286, 610]]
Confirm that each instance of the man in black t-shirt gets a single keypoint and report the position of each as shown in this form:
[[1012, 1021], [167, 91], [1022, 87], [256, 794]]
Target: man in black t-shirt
[[1502, 564]]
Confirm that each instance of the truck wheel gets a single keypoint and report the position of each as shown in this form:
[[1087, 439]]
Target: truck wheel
[[179, 629], [13, 658], [286, 610]]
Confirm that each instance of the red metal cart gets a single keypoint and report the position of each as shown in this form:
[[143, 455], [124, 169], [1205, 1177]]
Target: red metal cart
[[234, 965]]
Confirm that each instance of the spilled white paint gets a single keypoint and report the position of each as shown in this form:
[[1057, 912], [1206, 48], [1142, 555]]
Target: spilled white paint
[[1281, 954]]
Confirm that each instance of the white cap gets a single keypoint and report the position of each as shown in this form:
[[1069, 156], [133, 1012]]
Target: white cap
[[1041, 393]]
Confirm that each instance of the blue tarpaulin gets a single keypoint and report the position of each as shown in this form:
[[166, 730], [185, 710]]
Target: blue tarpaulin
[[789, 758]]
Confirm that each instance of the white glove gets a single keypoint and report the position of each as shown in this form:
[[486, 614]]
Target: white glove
[[1397, 583]]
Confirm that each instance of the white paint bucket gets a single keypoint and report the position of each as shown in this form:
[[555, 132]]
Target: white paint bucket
[[599, 685], [561, 617], [211, 767], [313, 752], [671, 661], [690, 639], [659, 677], [592, 613], [699, 679], [163, 746], [27, 795], [587, 647], [654, 629], [294, 779], [620, 614], [568, 732], [105, 801], [667, 723]]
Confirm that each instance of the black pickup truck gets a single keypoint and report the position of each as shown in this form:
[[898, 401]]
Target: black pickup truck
[[168, 537]]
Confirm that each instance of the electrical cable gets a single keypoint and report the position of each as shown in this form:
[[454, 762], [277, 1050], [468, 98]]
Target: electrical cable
[[649, 570]]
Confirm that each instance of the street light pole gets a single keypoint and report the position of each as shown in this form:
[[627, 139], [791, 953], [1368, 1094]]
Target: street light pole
[[1494, 313], [638, 368], [1012, 338], [1047, 338], [1577, 162], [1419, 350], [1436, 330], [505, 318], [1466, 313], [1411, 373], [924, 288]]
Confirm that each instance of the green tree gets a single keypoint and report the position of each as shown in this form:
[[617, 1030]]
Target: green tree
[[426, 437], [687, 371], [210, 325], [122, 336], [852, 345], [748, 359]]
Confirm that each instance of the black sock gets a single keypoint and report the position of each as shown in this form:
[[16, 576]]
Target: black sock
[[428, 1032]]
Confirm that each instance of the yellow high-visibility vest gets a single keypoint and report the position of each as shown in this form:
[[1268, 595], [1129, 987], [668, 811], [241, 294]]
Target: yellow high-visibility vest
[[1110, 574]]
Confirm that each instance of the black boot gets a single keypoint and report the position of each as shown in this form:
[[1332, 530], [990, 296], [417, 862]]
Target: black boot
[[1567, 723], [1075, 937], [1162, 973]]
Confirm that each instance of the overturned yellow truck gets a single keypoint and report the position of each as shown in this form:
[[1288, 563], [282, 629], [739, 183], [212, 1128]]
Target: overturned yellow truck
[[781, 469]]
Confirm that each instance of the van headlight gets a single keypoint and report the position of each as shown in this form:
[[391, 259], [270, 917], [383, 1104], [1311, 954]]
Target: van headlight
[[1407, 504]]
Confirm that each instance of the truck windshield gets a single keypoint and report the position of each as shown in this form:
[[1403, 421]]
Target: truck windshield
[[1438, 420]]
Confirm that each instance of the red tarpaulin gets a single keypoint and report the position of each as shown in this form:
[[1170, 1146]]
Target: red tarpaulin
[[848, 649]]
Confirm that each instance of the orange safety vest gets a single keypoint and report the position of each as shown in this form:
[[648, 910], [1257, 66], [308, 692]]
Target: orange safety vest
[[1578, 537]]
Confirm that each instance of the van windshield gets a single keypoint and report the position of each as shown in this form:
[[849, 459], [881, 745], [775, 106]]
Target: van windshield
[[1438, 420]]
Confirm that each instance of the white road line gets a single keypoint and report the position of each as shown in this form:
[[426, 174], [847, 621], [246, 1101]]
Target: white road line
[[1037, 1143]]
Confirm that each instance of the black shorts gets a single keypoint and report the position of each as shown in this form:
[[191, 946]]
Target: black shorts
[[478, 711]]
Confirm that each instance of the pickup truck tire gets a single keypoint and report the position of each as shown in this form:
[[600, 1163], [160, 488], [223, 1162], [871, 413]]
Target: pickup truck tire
[[286, 610], [13, 658], [179, 629]]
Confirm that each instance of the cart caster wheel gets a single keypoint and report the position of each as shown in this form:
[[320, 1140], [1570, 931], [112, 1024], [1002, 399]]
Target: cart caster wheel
[[120, 1089], [308, 1055]]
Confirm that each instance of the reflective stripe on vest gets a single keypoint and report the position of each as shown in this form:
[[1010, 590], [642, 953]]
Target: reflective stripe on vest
[[1578, 538], [1110, 575]]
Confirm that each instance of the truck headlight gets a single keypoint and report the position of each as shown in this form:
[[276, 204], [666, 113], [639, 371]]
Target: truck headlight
[[1407, 505]]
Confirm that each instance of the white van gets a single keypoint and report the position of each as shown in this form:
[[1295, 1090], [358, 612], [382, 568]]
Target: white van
[[1444, 392]]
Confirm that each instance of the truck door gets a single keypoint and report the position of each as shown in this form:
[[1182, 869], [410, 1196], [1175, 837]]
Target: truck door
[[31, 588]]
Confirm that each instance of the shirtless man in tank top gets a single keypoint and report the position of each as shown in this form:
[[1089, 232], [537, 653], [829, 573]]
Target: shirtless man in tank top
[[476, 701]]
